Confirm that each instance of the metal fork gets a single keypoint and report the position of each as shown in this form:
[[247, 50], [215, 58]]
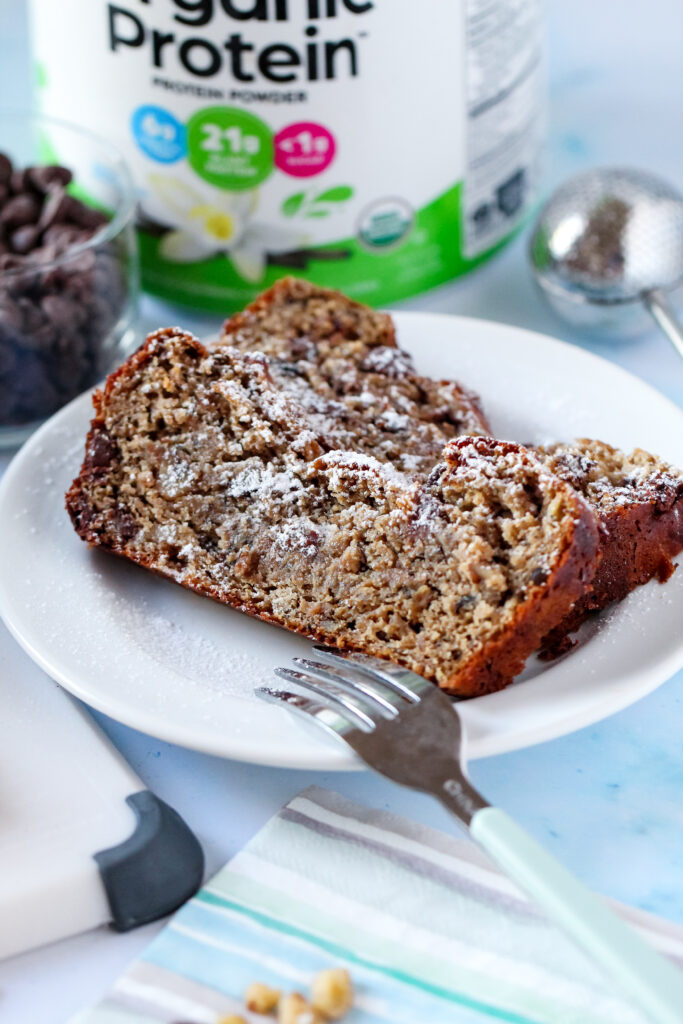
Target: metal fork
[[410, 731]]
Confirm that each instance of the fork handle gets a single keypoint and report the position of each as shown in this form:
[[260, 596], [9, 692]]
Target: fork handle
[[655, 984]]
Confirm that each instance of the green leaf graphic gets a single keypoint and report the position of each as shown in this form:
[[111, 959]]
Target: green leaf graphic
[[317, 213], [293, 204], [335, 195]]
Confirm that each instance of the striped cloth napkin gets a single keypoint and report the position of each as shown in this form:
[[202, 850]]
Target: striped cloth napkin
[[430, 932]]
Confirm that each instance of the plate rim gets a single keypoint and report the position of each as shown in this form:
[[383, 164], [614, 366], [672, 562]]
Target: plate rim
[[332, 759]]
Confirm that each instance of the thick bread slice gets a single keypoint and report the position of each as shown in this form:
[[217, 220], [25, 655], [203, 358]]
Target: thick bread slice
[[338, 346], [343, 355], [638, 500], [197, 466]]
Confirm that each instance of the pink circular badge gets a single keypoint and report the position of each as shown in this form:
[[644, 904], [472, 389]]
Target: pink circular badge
[[304, 149]]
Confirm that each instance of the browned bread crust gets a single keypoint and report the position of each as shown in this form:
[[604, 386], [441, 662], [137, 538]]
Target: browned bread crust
[[638, 499], [310, 315], [199, 468]]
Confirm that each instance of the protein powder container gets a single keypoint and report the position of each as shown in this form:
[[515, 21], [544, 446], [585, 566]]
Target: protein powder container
[[377, 146]]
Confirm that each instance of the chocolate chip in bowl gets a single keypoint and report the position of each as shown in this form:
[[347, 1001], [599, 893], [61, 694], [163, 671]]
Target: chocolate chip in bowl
[[68, 280]]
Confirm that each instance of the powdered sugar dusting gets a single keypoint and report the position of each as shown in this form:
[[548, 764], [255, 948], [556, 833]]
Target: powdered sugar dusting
[[395, 421], [262, 481], [214, 670], [389, 360], [299, 534], [176, 477], [611, 478], [341, 465]]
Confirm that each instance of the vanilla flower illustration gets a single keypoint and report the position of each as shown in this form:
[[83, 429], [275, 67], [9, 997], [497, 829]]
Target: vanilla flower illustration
[[216, 221]]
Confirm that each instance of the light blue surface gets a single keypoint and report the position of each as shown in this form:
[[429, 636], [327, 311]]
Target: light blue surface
[[654, 984], [606, 801]]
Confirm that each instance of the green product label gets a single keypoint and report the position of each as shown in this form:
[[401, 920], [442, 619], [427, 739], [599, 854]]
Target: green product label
[[229, 148], [430, 255]]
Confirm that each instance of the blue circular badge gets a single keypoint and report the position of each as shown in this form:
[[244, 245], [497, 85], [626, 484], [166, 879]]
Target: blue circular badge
[[159, 134]]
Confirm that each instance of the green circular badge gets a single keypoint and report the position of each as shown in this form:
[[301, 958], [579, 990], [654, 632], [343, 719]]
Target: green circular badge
[[229, 147]]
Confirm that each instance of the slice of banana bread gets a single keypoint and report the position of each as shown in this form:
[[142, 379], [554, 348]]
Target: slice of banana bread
[[345, 353], [638, 500], [200, 468]]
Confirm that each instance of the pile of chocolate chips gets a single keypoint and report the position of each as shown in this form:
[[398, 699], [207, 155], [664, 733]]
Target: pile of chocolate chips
[[59, 300]]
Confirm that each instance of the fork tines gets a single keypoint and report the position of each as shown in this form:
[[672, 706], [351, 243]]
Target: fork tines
[[347, 691]]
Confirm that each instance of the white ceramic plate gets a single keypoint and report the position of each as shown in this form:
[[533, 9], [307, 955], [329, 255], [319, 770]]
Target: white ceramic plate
[[182, 668]]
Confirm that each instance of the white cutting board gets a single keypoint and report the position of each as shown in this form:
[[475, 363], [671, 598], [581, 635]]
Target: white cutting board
[[63, 792]]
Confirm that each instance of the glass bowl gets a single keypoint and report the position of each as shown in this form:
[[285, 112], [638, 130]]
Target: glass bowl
[[67, 306]]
